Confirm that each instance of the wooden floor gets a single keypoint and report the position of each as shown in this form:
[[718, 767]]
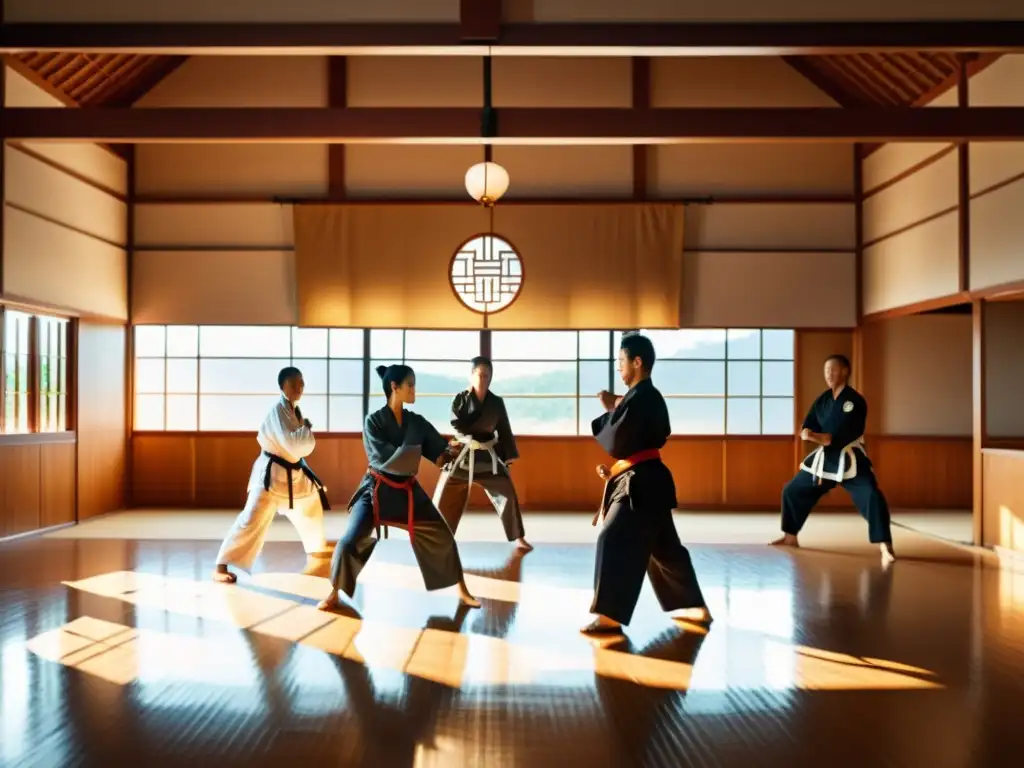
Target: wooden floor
[[120, 648]]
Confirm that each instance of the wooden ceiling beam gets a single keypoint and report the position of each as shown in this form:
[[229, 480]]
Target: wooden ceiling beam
[[460, 125], [796, 38]]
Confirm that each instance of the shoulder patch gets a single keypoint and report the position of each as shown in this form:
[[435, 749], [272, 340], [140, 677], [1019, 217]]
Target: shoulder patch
[[848, 406]]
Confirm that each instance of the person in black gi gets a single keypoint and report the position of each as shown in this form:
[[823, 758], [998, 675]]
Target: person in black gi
[[639, 534], [836, 423]]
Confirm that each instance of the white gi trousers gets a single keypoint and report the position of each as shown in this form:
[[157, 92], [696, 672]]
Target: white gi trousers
[[244, 541]]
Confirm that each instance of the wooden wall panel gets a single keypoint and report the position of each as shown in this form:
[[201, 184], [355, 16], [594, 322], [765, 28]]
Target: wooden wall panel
[[997, 231], [101, 409], [243, 81], [57, 266], [893, 160], [919, 264], [412, 171], [731, 81], [53, 194], [231, 170], [557, 81], [182, 226], [927, 192], [778, 290], [735, 11], [695, 170], [264, 11], [770, 226], [211, 471], [37, 482], [203, 287], [1003, 510], [415, 81], [562, 171], [1004, 369]]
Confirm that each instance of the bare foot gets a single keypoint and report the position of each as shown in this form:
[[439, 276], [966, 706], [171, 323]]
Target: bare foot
[[787, 540], [330, 603], [696, 615], [466, 598], [888, 555], [523, 544], [602, 625], [223, 575]]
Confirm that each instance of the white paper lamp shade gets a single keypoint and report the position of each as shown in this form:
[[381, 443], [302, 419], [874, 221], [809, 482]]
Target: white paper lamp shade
[[486, 182]]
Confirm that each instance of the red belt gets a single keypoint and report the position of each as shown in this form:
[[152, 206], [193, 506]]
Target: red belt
[[620, 466], [406, 485]]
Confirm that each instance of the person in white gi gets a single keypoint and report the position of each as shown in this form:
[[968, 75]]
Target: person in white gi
[[280, 481]]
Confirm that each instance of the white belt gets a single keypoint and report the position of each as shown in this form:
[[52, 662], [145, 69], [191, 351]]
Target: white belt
[[817, 468], [467, 460]]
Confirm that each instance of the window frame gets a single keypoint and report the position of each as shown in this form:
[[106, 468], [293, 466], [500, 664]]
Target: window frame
[[485, 348], [33, 390]]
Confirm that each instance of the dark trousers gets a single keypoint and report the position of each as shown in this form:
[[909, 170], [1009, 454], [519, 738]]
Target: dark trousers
[[636, 541], [432, 540], [804, 491], [500, 492]]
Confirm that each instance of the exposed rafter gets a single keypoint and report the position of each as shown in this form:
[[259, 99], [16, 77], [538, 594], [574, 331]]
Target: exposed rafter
[[515, 125]]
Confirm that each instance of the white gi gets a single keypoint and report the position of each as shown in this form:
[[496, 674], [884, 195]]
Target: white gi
[[284, 435]]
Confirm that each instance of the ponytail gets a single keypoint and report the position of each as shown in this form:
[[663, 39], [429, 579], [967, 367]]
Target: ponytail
[[393, 374]]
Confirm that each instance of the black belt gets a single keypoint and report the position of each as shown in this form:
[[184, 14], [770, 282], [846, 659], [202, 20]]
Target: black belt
[[301, 466]]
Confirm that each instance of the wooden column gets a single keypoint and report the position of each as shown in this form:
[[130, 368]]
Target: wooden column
[[641, 100], [858, 214], [129, 341], [3, 186], [964, 179], [337, 96], [978, 419]]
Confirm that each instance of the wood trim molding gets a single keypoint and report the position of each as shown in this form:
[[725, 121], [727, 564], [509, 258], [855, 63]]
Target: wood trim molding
[[39, 438], [930, 160], [912, 225], [3, 179], [551, 201], [918, 307], [978, 420]]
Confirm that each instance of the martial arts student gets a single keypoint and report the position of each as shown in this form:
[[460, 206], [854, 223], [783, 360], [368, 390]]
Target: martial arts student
[[836, 423], [395, 440], [639, 534], [280, 480], [488, 449]]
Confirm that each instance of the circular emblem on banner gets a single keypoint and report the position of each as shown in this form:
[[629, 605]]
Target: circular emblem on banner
[[847, 406], [486, 274]]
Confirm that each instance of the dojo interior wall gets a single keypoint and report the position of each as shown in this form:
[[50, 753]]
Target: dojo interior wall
[[784, 212], [65, 251], [997, 265], [784, 216]]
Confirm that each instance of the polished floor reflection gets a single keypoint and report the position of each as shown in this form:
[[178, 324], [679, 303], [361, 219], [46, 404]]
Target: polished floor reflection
[[115, 649]]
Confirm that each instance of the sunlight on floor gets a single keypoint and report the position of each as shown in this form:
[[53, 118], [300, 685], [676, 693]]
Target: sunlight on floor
[[123, 655]]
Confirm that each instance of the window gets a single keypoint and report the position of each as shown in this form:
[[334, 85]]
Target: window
[[224, 378], [53, 374], [440, 359], [717, 381], [35, 380]]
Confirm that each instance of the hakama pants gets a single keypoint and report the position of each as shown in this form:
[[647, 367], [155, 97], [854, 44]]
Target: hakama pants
[[639, 536], [803, 492], [245, 540], [499, 489], [432, 541]]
